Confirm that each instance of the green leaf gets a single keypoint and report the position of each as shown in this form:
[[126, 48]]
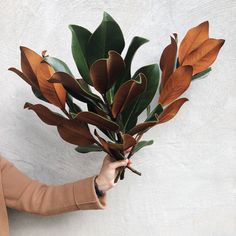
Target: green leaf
[[57, 64], [135, 108], [135, 44], [142, 144], [108, 36], [202, 74], [80, 37], [39, 95], [73, 108], [148, 109], [89, 148], [157, 110]]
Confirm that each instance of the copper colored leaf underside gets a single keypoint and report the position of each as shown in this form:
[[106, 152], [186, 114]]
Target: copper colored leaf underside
[[171, 110], [54, 93], [167, 61], [193, 39], [97, 120], [104, 72], [76, 133], [178, 82], [128, 141], [45, 114], [23, 76], [29, 64], [71, 84], [127, 92], [103, 142], [142, 127], [72, 131], [204, 55]]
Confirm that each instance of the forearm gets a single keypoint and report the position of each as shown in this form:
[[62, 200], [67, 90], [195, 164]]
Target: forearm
[[25, 194]]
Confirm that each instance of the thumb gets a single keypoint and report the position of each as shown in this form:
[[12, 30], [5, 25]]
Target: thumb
[[117, 164]]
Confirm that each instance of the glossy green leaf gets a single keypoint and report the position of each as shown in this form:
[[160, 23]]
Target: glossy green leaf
[[108, 36], [135, 108], [202, 74], [157, 110], [89, 148], [80, 37], [57, 64], [135, 44], [142, 144]]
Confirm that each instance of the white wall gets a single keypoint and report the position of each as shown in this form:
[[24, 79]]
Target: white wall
[[188, 183]]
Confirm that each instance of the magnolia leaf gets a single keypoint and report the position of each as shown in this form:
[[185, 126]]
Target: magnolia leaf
[[177, 84], [142, 127], [46, 115], [99, 121], [201, 58], [80, 38], [128, 141], [89, 148], [167, 61], [127, 92], [73, 86], [171, 110], [57, 64], [202, 74], [135, 44], [139, 104], [104, 72], [157, 110], [54, 93], [193, 39], [142, 144], [108, 36]]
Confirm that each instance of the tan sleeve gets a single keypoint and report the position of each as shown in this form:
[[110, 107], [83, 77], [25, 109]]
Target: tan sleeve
[[25, 194]]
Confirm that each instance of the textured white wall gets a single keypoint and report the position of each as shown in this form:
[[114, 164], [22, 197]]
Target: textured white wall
[[188, 183]]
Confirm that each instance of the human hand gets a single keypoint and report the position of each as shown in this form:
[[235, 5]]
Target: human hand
[[108, 172]]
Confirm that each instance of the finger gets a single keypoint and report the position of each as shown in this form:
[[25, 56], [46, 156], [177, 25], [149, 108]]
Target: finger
[[117, 164]]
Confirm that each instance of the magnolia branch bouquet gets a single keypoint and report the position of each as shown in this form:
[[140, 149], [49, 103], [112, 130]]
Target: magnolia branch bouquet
[[113, 111]]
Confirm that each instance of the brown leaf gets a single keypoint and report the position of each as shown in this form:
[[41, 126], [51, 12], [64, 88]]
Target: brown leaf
[[204, 55], [142, 127], [76, 132], [171, 110], [178, 82], [99, 121], [71, 84], [167, 61], [104, 72], [103, 142], [72, 131], [127, 92], [46, 115], [54, 93], [128, 141], [193, 39], [29, 64]]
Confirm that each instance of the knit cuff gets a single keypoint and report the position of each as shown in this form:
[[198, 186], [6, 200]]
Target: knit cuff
[[85, 195]]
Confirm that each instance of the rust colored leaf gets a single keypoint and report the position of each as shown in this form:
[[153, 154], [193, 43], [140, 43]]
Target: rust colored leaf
[[54, 93], [104, 72], [128, 141], [127, 92], [103, 142], [46, 115], [178, 82], [76, 132], [23, 76], [29, 64], [204, 55], [71, 84], [142, 127], [97, 120], [171, 110], [193, 39], [72, 131], [167, 61]]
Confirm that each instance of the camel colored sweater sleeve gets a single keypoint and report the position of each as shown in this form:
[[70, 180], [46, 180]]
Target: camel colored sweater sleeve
[[25, 194]]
